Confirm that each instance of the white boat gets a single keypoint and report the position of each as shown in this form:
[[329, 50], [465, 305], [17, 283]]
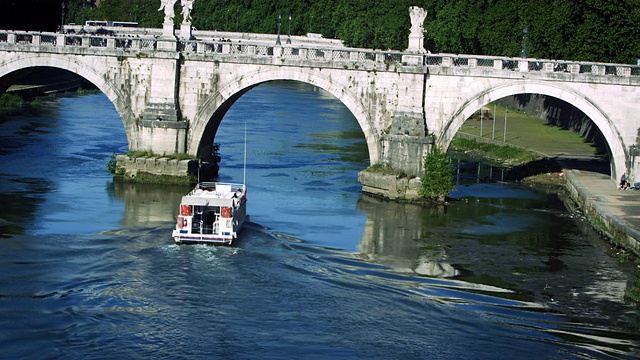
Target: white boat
[[212, 213]]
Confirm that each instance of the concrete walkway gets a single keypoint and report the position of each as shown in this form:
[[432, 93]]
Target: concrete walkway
[[615, 212]]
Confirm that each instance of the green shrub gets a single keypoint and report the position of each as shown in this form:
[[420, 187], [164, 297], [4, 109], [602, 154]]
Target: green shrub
[[11, 102], [437, 180], [112, 167]]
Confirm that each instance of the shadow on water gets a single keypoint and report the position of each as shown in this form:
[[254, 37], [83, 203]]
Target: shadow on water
[[469, 170]]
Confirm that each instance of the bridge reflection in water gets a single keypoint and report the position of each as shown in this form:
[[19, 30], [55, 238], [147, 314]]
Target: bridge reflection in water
[[396, 235]]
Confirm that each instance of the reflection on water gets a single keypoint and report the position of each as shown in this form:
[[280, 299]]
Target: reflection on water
[[393, 236], [90, 270], [148, 204]]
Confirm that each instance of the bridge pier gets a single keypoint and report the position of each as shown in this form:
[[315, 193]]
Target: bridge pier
[[163, 137], [162, 129], [406, 153], [406, 142]]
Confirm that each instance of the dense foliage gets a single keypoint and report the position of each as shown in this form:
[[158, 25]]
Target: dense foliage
[[437, 181], [588, 30]]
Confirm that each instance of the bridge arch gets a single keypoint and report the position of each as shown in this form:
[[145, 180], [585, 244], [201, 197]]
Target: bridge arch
[[209, 116], [588, 107], [82, 68]]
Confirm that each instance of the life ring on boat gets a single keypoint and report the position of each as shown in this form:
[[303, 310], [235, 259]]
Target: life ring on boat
[[225, 212], [185, 210]]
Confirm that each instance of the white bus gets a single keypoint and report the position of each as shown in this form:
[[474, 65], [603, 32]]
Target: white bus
[[101, 23]]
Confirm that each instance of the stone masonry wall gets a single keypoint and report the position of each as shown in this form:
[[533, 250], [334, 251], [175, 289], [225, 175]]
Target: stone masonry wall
[[152, 165]]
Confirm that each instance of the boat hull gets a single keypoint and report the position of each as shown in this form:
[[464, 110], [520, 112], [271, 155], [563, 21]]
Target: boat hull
[[192, 239]]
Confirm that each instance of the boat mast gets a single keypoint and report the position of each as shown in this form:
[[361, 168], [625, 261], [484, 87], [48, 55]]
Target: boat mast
[[244, 174]]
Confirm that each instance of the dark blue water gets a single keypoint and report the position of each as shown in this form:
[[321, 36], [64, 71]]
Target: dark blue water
[[89, 269]]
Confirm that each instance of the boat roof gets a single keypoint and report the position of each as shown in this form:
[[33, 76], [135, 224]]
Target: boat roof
[[213, 194]]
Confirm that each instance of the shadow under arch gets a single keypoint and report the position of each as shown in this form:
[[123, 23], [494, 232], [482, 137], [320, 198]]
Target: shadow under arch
[[213, 110], [589, 108], [80, 68]]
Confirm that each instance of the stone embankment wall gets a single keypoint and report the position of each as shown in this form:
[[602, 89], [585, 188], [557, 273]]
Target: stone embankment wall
[[614, 228]]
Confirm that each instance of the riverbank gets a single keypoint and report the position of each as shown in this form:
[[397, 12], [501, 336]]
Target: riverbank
[[613, 213]]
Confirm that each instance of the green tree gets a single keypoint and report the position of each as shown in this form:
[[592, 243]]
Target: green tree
[[604, 26], [590, 30]]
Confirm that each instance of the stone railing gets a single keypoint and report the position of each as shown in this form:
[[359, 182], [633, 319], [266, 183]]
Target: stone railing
[[36, 41], [288, 51], [530, 65], [117, 45]]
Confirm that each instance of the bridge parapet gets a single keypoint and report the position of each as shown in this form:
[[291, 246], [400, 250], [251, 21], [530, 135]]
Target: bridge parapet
[[72, 43], [126, 45], [530, 65]]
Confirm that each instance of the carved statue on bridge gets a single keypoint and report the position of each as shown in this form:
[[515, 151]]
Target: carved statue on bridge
[[187, 6], [416, 37], [169, 12], [417, 15]]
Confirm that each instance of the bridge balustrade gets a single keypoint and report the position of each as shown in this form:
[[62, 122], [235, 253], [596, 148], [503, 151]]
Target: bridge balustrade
[[34, 41], [24, 38], [48, 39], [531, 65], [290, 52], [303, 52]]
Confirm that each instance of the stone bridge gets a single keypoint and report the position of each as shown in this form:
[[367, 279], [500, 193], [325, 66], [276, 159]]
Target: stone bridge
[[172, 92]]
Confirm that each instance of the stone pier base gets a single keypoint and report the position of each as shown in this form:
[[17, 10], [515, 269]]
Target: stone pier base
[[130, 168], [159, 169], [390, 187]]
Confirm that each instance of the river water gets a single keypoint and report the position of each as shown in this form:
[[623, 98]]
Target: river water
[[89, 269]]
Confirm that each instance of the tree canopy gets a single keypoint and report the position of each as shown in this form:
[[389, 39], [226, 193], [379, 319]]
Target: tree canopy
[[588, 30]]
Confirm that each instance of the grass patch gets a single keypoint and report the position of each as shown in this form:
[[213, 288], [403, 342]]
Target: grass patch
[[506, 154], [82, 91], [528, 131], [385, 170]]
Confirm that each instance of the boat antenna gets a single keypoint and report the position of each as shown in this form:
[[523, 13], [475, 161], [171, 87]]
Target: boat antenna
[[244, 175]]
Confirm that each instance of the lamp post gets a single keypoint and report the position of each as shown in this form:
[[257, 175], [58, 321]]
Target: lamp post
[[493, 133], [62, 20], [279, 23], [226, 26], [237, 18], [289, 36], [504, 136], [524, 42], [84, 6]]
